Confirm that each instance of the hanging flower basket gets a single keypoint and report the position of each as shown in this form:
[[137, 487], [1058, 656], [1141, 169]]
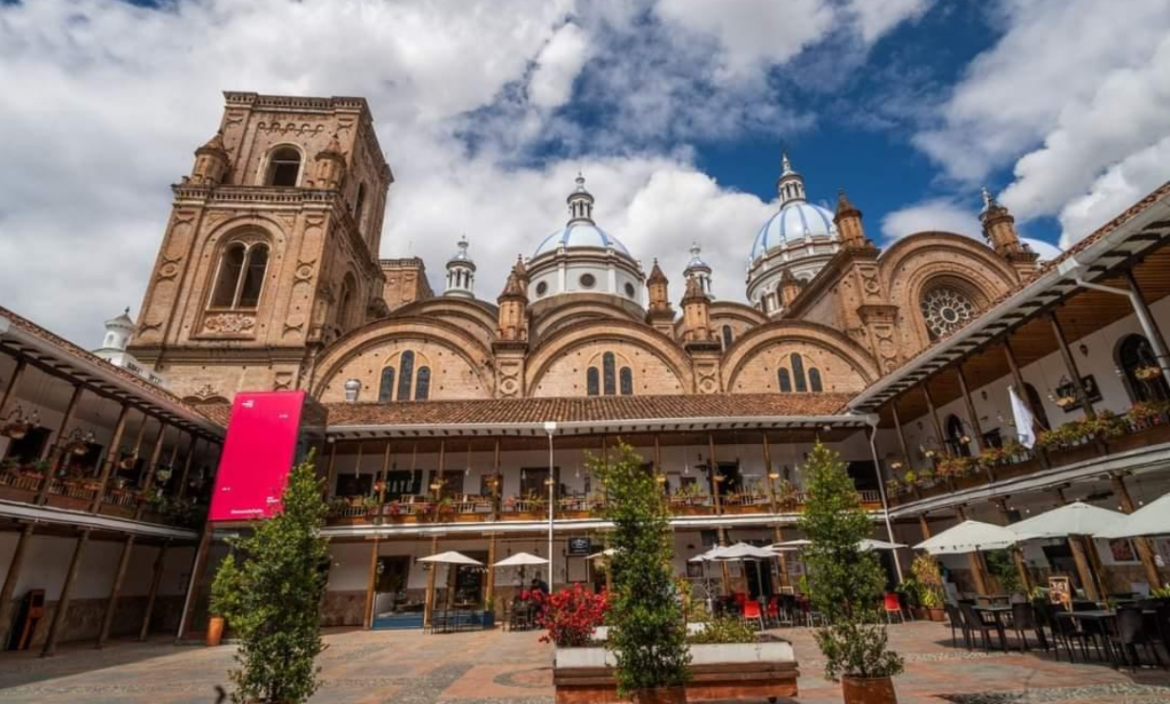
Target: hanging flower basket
[[1066, 402], [1147, 372], [16, 430]]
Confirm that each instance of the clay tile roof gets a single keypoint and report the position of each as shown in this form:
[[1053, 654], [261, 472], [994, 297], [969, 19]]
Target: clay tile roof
[[144, 388], [585, 409]]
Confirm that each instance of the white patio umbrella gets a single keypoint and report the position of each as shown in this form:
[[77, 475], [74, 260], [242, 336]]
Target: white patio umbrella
[[1153, 519], [791, 544], [444, 558], [608, 552], [870, 544], [743, 552], [970, 536], [1070, 522], [521, 559]]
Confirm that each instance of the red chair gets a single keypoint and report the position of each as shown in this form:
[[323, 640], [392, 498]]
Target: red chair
[[740, 599], [774, 611], [893, 606], [751, 612]]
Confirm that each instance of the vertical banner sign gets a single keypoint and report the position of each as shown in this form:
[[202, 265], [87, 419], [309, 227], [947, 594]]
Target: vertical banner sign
[[258, 454]]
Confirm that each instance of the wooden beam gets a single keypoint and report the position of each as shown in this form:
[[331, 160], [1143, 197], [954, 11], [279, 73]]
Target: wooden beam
[[111, 458], [181, 485], [1070, 365], [52, 451], [10, 579], [901, 436], [13, 383], [155, 581], [940, 436], [62, 608], [969, 404], [115, 591], [147, 483], [1145, 550], [371, 585], [193, 584]]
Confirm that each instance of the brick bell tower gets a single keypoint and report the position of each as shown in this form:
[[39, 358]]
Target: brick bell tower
[[271, 251]]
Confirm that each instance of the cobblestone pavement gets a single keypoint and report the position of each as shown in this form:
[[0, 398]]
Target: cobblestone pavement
[[514, 668]]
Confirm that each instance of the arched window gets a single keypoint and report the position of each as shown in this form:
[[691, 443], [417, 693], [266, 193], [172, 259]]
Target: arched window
[[592, 381], [422, 386], [814, 380], [1037, 406], [726, 336], [627, 381], [359, 204], [609, 373], [405, 375], [386, 388], [240, 278], [1139, 365], [946, 309], [798, 373], [785, 380], [346, 302], [284, 167]]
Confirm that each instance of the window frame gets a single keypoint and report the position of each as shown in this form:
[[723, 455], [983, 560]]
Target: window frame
[[241, 276], [267, 172]]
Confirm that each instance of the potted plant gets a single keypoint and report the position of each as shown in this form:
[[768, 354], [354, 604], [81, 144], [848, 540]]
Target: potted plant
[[571, 616], [847, 584], [647, 634], [225, 599], [1148, 372], [931, 594]]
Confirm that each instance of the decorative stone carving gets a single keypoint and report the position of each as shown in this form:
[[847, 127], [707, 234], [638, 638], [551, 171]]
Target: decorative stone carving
[[205, 392], [229, 323]]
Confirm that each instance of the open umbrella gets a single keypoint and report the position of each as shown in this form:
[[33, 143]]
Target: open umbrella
[[451, 558], [608, 552], [521, 559], [870, 544], [1070, 522], [970, 536], [1153, 519], [746, 551], [791, 544]]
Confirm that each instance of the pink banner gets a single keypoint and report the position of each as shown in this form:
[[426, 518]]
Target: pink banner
[[258, 454]]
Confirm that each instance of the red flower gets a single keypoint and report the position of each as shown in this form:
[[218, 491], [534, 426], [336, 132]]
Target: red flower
[[571, 615]]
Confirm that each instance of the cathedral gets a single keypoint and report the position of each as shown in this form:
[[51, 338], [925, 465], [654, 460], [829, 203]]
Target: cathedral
[[268, 278]]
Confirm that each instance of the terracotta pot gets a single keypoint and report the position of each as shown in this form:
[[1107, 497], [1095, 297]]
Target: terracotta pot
[[939, 615], [215, 631], [868, 690], [660, 695]]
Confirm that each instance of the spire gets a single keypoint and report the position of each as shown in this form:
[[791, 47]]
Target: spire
[[656, 274], [580, 203], [513, 289], [215, 144], [848, 222], [519, 270], [988, 199], [211, 162], [790, 185]]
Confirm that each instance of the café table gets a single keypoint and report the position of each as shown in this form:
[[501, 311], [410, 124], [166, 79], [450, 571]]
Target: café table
[[1103, 619], [997, 613]]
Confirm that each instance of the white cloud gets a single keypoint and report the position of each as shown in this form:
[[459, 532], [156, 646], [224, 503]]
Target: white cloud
[[1070, 94], [874, 19], [557, 67], [947, 215]]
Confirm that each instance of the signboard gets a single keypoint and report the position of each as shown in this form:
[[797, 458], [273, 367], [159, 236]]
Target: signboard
[[580, 547], [1060, 592], [258, 453]]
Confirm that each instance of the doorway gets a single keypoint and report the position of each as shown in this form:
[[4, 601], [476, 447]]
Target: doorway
[[759, 578]]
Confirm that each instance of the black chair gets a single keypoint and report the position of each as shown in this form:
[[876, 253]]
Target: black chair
[[975, 622], [1024, 619], [1131, 632], [1064, 632], [956, 621]]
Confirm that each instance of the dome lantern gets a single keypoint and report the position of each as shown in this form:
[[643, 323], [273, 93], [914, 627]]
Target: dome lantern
[[697, 268], [460, 273], [580, 203]]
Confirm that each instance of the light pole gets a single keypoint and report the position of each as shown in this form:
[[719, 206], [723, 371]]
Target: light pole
[[550, 427], [872, 420]]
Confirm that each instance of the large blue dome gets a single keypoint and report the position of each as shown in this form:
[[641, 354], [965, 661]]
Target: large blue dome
[[580, 234], [796, 221]]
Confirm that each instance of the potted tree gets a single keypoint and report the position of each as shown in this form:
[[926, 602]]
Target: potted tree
[[925, 570], [225, 599], [846, 584], [647, 633], [282, 584]]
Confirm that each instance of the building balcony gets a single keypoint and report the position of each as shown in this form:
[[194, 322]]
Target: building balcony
[[1072, 443]]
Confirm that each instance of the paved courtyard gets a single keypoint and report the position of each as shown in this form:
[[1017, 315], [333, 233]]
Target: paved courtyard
[[494, 667]]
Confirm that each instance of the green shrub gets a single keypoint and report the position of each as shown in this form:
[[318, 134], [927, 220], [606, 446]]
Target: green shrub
[[227, 590], [724, 630]]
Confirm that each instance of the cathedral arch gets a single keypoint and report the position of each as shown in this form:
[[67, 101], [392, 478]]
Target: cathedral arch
[[282, 166], [780, 357]]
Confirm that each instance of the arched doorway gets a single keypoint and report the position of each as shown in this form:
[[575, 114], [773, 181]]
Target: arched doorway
[[955, 436], [1140, 370]]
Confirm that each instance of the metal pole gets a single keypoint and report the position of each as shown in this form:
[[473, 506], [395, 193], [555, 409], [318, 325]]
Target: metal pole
[[872, 419], [551, 428], [1149, 326]]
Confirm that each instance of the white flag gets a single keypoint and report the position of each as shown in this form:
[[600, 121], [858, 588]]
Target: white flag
[[1025, 424]]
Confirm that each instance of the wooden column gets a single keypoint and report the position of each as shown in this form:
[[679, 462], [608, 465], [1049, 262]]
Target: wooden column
[[1144, 548], [10, 579], [115, 592], [63, 602], [1022, 391], [111, 458], [10, 390], [147, 483], [489, 589], [1070, 365], [155, 580], [53, 451], [1016, 551], [901, 436], [331, 471], [777, 531], [181, 484], [975, 561], [193, 585], [371, 585], [940, 437], [429, 597], [497, 482], [1083, 568], [712, 472], [972, 415]]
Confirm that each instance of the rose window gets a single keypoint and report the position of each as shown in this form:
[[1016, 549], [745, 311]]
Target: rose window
[[945, 310]]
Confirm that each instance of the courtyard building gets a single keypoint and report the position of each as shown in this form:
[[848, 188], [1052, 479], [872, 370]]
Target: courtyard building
[[455, 422]]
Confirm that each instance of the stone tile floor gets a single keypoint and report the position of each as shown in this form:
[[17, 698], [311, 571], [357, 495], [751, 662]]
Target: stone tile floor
[[494, 667]]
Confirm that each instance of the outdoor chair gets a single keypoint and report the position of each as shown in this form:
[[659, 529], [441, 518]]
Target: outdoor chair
[[1024, 619], [975, 622], [751, 613], [1064, 632], [893, 606], [1132, 632], [773, 612], [956, 620]]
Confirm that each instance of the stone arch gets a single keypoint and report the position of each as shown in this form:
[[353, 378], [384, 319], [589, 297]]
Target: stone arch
[[660, 366], [751, 364], [461, 364], [546, 323], [917, 263], [737, 316], [477, 318]]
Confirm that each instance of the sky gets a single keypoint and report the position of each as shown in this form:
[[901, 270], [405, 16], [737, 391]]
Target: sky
[[675, 111]]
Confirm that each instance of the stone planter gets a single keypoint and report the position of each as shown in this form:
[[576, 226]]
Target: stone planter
[[719, 672], [868, 690]]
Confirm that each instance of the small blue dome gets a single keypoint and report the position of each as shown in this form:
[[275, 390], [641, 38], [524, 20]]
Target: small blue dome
[[797, 220], [580, 234]]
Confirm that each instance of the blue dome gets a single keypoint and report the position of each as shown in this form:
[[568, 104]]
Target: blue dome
[[580, 234], [797, 220]]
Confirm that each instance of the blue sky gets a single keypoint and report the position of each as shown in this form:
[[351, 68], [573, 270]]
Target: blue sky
[[675, 110]]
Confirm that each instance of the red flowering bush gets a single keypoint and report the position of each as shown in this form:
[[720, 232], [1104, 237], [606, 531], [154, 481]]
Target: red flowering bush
[[571, 616]]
